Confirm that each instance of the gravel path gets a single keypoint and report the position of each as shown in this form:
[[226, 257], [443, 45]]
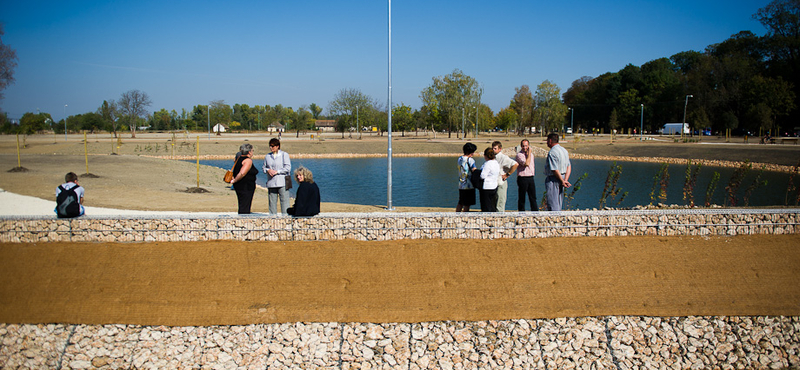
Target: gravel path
[[610, 342]]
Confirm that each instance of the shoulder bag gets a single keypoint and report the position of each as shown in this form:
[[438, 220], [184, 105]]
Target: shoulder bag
[[229, 173]]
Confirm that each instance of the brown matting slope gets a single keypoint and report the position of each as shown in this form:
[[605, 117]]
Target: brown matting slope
[[210, 283]]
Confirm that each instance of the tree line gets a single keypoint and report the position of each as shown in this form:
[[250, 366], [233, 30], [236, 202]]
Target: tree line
[[746, 82]]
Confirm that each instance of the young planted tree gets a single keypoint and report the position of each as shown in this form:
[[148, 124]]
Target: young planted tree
[[611, 190], [736, 181], [689, 183], [757, 182], [712, 187], [660, 183], [568, 197]]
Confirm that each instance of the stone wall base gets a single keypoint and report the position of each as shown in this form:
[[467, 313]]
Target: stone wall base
[[610, 342]]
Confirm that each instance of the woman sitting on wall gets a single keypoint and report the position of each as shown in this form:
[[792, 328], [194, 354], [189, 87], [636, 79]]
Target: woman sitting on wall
[[307, 200]]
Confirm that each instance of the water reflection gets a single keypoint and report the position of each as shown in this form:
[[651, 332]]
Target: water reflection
[[433, 182]]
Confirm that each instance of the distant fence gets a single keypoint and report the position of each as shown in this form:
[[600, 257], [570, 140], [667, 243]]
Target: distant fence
[[397, 226]]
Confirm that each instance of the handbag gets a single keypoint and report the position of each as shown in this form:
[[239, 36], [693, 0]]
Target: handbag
[[288, 179], [229, 173]]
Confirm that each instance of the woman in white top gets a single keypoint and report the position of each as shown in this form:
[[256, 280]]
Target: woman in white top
[[490, 171]]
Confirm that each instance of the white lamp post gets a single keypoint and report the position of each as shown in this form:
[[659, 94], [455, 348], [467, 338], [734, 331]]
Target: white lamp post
[[684, 112], [65, 122], [641, 125], [572, 121]]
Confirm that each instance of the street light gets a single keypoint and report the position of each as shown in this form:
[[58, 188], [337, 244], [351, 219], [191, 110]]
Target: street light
[[358, 126], [208, 114], [476, 123], [571, 121], [463, 120], [684, 112], [641, 126], [65, 122]]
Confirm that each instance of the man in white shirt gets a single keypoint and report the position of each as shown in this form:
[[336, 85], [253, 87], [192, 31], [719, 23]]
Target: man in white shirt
[[557, 168], [507, 167]]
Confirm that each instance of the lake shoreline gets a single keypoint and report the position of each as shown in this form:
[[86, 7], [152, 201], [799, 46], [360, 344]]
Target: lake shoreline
[[681, 161]]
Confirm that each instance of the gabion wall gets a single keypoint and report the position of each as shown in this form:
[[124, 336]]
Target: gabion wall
[[396, 226]]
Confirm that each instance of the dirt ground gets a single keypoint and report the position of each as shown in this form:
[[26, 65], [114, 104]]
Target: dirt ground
[[132, 179], [213, 283], [399, 281]]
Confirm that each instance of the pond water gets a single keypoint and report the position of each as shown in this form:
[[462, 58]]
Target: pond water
[[433, 182]]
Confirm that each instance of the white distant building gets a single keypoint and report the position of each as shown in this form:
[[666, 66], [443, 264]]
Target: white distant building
[[675, 128], [219, 128]]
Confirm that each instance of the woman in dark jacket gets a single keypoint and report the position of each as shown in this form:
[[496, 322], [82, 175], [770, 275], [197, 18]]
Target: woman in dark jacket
[[244, 180], [307, 201]]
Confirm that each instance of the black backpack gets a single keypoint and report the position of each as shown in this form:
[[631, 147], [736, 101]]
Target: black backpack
[[477, 181], [67, 203]]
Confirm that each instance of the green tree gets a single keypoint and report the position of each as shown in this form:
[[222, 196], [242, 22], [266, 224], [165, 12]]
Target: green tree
[[89, 121], [576, 98], [108, 114], [161, 120], [402, 118], [220, 113], [304, 120], [629, 109], [522, 103], [507, 118], [315, 110], [550, 111], [31, 123], [448, 95], [343, 109], [781, 18]]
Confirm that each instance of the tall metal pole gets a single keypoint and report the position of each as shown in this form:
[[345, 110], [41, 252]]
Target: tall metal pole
[[463, 121], [684, 113], [641, 126], [358, 125], [477, 110], [389, 176], [208, 114], [572, 121], [65, 122]]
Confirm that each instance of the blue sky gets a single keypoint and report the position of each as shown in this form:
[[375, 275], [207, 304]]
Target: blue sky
[[184, 53]]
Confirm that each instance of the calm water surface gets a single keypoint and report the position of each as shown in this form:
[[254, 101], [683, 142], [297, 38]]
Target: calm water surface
[[433, 182]]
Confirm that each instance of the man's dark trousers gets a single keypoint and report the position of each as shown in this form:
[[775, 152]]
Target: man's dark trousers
[[526, 185]]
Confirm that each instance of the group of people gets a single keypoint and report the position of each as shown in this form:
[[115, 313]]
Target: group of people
[[491, 178], [277, 165]]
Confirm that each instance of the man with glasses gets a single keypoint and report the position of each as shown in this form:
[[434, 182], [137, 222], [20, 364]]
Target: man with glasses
[[277, 165]]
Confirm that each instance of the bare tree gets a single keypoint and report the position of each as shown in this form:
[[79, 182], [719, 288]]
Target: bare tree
[[8, 61], [132, 104]]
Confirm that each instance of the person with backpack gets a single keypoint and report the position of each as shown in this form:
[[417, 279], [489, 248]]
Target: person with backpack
[[69, 198], [466, 192]]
